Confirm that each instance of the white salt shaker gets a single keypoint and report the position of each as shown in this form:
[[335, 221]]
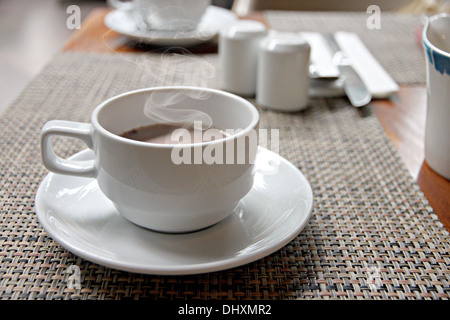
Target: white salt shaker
[[238, 54], [283, 79]]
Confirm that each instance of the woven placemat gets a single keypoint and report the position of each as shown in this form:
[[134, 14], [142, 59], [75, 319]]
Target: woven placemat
[[395, 45], [372, 234]]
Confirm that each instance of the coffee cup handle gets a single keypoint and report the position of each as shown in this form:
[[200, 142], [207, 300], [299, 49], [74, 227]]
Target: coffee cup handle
[[54, 163]]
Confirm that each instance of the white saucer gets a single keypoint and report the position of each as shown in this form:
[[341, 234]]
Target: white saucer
[[76, 214], [213, 20]]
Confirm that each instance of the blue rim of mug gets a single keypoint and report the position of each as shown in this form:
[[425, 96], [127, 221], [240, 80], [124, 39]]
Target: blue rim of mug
[[436, 56]]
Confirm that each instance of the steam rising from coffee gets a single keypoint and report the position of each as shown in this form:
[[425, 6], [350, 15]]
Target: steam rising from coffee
[[176, 65], [158, 108]]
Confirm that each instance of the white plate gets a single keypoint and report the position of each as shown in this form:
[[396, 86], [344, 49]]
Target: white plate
[[76, 214], [214, 19]]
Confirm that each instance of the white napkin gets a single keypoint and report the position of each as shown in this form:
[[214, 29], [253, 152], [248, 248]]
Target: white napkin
[[377, 80]]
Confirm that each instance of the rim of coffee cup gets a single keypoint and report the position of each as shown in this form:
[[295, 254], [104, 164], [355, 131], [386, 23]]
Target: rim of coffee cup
[[425, 39], [251, 126]]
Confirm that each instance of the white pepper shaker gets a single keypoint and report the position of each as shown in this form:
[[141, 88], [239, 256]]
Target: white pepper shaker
[[238, 54], [283, 79]]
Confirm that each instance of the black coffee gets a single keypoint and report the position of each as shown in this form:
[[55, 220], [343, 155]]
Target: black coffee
[[169, 134]]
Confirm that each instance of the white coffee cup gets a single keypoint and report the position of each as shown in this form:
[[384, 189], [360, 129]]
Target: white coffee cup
[[142, 180], [165, 15], [436, 43]]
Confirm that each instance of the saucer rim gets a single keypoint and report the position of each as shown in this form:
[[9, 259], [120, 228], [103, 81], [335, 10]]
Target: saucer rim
[[190, 269], [191, 37]]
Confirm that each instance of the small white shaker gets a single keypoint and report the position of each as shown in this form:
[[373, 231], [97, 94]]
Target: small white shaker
[[238, 54], [283, 77]]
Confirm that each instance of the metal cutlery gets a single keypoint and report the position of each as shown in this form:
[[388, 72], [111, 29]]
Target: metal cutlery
[[354, 87]]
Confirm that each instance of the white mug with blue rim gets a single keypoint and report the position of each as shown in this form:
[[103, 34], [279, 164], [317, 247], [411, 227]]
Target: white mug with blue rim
[[436, 42]]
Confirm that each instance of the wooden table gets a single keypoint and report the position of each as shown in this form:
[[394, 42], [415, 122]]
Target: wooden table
[[402, 117]]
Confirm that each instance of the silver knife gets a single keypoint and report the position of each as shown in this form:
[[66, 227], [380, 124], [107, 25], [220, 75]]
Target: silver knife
[[354, 87]]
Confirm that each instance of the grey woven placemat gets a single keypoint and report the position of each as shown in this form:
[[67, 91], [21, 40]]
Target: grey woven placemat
[[372, 234], [394, 45]]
